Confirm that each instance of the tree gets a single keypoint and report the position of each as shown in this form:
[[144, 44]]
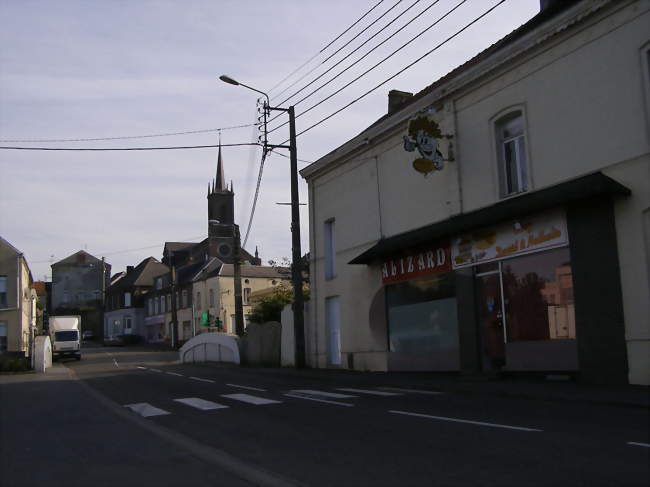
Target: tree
[[269, 308]]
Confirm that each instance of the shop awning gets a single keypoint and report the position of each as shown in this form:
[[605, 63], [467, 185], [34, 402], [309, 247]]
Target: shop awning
[[595, 184]]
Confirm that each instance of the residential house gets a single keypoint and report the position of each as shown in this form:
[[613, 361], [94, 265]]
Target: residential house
[[523, 245]]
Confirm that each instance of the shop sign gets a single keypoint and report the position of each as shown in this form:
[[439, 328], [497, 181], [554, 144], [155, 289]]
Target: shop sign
[[525, 235], [426, 136], [417, 263]]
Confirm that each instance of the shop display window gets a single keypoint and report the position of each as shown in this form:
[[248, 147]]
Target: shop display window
[[538, 295], [422, 315]]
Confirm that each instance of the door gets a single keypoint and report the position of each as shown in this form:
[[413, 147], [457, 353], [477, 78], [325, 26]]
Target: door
[[333, 326], [491, 320]]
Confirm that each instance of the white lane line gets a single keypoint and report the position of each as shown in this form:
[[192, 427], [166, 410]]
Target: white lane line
[[174, 373], [307, 398], [456, 420], [143, 368], [155, 370], [250, 399], [373, 393], [116, 364], [247, 387], [634, 443], [413, 391], [202, 380], [202, 404], [310, 392], [145, 409]]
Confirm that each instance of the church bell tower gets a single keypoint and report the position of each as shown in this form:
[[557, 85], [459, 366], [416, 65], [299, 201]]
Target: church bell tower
[[221, 216]]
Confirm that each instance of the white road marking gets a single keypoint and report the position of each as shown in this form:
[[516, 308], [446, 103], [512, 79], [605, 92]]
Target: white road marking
[[247, 387], [307, 398], [202, 404], [145, 409], [456, 420], [414, 391], [155, 370], [143, 368], [250, 399], [373, 393], [174, 373], [310, 392], [646, 445], [202, 380], [116, 364]]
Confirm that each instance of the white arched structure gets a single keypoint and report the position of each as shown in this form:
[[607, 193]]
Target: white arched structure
[[210, 347]]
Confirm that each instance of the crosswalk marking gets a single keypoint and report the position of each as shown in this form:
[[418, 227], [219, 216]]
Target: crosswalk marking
[[174, 373], [155, 370], [145, 409], [202, 404], [202, 380], [247, 387], [311, 392], [300, 396], [635, 443], [371, 392], [250, 399], [414, 391]]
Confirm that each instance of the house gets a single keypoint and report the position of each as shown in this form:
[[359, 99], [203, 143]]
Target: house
[[78, 285], [125, 299], [522, 246], [17, 302]]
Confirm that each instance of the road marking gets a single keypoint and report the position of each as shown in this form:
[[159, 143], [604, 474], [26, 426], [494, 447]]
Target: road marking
[[202, 380], [202, 404], [145, 409], [298, 396], [414, 391], [645, 445], [174, 373], [155, 370], [456, 420], [143, 368], [374, 393], [258, 401], [247, 387], [116, 364], [310, 392]]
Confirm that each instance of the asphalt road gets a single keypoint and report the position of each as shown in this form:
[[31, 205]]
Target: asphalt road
[[320, 430]]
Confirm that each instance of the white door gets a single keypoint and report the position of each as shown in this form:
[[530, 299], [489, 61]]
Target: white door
[[333, 326]]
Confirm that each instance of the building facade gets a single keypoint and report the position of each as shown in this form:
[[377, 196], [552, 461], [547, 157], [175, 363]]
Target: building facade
[[523, 244]]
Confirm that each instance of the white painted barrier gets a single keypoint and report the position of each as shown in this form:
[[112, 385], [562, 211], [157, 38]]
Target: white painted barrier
[[42, 353], [211, 347]]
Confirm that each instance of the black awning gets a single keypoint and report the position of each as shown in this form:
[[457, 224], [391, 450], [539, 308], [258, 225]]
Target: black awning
[[595, 184]]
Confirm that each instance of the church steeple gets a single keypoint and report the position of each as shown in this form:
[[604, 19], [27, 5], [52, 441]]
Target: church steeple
[[220, 180]]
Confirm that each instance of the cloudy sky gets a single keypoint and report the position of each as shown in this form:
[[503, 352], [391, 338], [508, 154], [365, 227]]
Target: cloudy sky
[[123, 68]]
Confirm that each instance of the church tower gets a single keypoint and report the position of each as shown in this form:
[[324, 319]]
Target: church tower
[[221, 216]]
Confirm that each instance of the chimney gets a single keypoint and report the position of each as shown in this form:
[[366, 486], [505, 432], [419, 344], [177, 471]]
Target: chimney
[[555, 4], [129, 268], [396, 98]]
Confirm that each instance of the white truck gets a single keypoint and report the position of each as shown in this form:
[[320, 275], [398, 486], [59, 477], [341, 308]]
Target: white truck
[[65, 335]]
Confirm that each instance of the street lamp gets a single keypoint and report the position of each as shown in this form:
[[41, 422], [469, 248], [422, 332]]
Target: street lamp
[[296, 267]]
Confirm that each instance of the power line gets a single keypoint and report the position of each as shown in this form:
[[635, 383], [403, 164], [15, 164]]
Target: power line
[[362, 57], [129, 148], [257, 192], [93, 139], [339, 49], [378, 64], [401, 70], [328, 45]]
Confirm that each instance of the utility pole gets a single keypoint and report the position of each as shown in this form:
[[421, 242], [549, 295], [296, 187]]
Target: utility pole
[[239, 308], [170, 257]]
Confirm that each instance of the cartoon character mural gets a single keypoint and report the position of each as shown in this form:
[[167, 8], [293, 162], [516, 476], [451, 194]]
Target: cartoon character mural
[[424, 135]]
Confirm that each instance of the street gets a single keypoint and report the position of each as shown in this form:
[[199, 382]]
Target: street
[[293, 428]]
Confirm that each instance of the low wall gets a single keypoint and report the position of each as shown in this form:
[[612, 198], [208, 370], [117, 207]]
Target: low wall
[[263, 344], [211, 347], [42, 353], [288, 349]]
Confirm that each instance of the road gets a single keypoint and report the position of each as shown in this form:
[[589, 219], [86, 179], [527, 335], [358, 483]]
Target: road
[[291, 428]]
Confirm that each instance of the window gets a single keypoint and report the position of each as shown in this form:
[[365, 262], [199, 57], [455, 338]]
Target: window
[[66, 298], [159, 283], [3, 336], [178, 301], [127, 300], [211, 298], [169, 302], [247, 295], [198, 300], [3, 292], [330, 255], [127, 325], [156, 304], [184, 303], [162, 304], [511, 154]]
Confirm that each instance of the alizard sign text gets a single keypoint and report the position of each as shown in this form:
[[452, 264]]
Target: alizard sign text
[[431, 260]]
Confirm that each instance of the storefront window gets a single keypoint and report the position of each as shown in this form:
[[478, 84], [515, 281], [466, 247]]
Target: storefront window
[[422, 315], [538, 294]]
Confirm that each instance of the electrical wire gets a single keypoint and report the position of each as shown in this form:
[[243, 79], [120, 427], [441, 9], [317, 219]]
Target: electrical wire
[[339, 49], [401, 70], [129, 148], [257, 192], [421, 33], [93, 139], [328, 45]]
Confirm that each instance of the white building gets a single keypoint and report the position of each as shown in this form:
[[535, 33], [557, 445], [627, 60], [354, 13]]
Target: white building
[[529, 249]]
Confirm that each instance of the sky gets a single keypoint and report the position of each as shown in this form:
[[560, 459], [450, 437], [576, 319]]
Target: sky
[[123, 68]]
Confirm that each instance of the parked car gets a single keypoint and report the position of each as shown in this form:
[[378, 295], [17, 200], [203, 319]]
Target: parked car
[[115, 341], [87, 335]]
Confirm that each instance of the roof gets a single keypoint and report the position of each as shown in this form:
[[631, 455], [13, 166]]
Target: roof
[[140, 275], [209, 269], [10, 246], [595, 184], [176, 246], [39, 286], [74, 259], [228, 270]]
